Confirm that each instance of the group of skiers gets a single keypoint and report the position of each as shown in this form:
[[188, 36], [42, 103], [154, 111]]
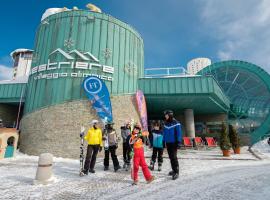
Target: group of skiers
[[161, 135]]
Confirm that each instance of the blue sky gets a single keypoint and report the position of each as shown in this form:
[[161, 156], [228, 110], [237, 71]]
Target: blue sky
[[174, 31]]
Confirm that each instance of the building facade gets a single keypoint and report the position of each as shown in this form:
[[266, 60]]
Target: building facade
[[70, 46], [51, 106]]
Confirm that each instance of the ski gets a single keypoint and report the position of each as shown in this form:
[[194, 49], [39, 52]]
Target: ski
[[81, 151], [131, 165]]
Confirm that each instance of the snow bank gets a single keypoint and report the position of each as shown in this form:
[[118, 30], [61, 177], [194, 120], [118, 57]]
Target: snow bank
[[262, 147], [21, 50]]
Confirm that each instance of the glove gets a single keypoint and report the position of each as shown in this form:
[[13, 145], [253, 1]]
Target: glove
[[82, 131], [131, 154], [118, 139], [179, 145], [116, 145], [100, 148], [147, 142]]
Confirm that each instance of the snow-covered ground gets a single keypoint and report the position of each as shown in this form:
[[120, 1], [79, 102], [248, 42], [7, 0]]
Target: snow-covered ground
[[204, 174], [262, 148]]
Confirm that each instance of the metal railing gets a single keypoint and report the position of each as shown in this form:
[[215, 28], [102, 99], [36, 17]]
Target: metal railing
[[166, 72]]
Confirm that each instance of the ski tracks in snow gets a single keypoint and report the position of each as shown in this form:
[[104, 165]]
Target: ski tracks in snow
[[234, 183]]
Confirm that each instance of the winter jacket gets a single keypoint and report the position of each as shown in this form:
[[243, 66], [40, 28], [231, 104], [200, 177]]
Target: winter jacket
[[110, 136], [137, 140], [172, 132], [125, 132], [94, 136], [156, 138]]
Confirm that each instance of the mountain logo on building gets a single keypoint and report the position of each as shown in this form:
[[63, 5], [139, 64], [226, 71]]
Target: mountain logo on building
[[87, 56], [74, 60]]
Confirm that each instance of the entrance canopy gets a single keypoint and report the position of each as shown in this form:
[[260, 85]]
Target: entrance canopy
[[200, 93]]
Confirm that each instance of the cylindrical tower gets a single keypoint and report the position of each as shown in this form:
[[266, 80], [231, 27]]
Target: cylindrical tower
[[70, 46], [197, 64], [22, 59]]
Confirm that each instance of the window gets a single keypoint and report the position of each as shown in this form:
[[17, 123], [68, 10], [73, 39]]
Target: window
[[27, 55], [16, 60]]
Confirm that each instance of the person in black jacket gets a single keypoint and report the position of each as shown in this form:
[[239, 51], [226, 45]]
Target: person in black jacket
[[125, 133]]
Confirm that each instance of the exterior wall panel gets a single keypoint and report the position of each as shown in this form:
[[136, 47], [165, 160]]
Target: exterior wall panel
[[111, 41]]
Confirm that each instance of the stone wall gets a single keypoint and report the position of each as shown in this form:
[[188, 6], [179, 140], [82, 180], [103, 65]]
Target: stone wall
[[56, 129], [8, 113]]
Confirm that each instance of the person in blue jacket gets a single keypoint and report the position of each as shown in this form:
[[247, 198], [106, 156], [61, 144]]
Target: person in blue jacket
[[172, 138], [156, 141]]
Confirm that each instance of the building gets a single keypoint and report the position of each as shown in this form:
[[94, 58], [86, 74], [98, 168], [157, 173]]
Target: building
[[22, 62], [248, 88], [197, 64], [51, 106]]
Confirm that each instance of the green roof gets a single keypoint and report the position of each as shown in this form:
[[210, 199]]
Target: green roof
[[179, 93], [12, 92]]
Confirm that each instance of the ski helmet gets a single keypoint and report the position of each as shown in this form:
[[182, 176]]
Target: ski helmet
[[94, 121], [168, 112], [137, 126]]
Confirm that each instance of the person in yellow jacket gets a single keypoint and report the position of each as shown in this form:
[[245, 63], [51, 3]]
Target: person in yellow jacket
[[94, 139]]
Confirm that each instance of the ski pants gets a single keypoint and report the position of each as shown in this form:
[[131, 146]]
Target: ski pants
[[90, 160], [157, 152], [139, 160], [126, 152], [172, 151], [112, 150]]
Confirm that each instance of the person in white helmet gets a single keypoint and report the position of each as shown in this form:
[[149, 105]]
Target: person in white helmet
[[94, 139]]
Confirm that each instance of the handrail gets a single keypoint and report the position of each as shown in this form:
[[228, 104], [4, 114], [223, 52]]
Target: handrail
[[166, 72]]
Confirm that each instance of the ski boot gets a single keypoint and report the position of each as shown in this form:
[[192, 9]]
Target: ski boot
[[135, 182], [175, 176], [117, 168], [170, 173], [83, 173], [152, 166], [124, 165], [159, 166], [92, 171], [128, 167], [151, 179], [106, 168]]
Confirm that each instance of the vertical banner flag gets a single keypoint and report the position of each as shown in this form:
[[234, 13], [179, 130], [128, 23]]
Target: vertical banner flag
[[98, 94], [141, 104]]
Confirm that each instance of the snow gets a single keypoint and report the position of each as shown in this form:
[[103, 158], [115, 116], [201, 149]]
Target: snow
[[262, 148], [21, 50], [51, 11], [204, 174]]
